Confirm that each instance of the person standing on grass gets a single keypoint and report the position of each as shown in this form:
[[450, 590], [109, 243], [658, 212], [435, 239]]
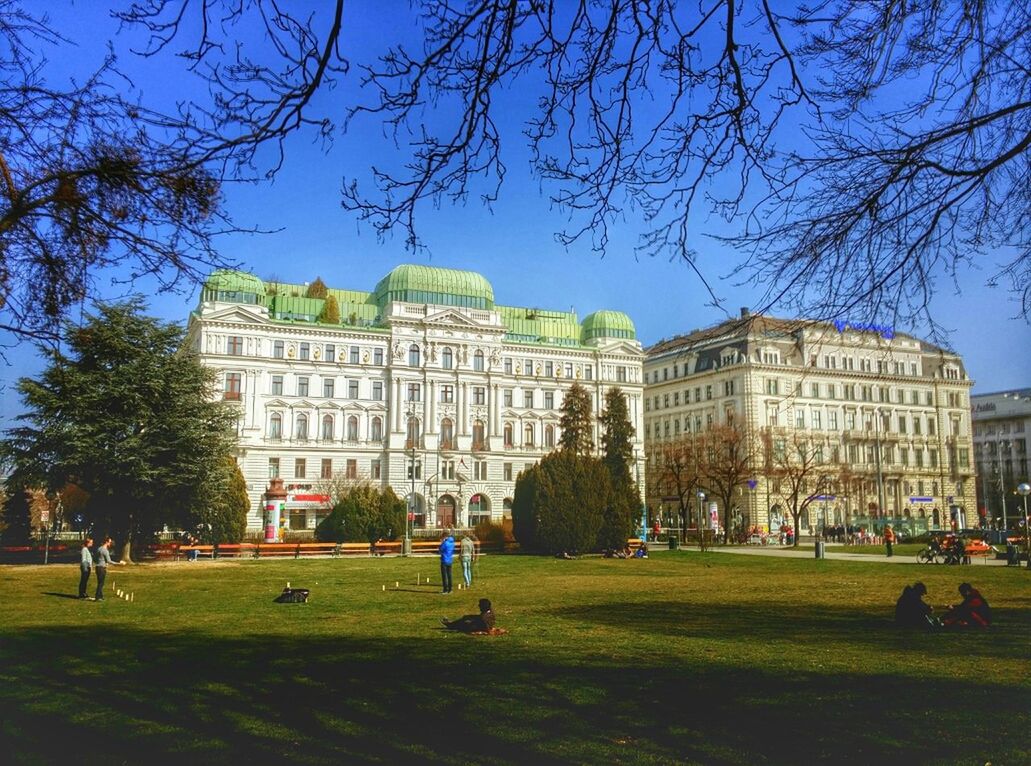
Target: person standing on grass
[[889, 539], [85, 566], [468, 557], [103, 561], [447, 555]]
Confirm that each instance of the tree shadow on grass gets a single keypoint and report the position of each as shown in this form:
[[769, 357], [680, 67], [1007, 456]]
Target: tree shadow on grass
[[196, 698], [55, 594], [771, 621]]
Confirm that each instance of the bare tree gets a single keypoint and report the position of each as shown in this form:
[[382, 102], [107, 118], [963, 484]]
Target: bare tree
[[883, 146], [796, 463], [677, 472], [729, 453]]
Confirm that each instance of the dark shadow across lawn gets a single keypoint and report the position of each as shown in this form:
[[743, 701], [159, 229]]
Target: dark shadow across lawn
[[141, 697]]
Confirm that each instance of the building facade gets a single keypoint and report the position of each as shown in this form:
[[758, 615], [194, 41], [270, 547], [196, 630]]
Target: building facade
[[889, 415], [424, 385], [1002, 426]]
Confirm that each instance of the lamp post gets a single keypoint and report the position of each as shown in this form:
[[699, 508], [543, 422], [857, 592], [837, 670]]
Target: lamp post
[[1024, 489], [701, 510]]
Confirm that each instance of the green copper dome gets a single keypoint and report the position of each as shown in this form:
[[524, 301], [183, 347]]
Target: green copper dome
[[232, 286], [428, 284], [608, 324]]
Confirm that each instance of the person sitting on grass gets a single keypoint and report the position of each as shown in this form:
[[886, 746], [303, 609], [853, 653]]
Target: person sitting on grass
[[473, 623], [911, 611], [973, 612], [641, 552]]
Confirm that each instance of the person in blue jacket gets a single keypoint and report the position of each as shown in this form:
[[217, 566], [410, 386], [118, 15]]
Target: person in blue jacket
[[447, 555]]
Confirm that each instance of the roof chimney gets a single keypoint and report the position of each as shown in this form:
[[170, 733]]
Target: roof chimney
[[744, 312]]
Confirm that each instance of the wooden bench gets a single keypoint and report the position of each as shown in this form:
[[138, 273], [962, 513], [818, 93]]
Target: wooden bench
[[275, 549], [977, 548], [163, 551], [318, 549], [235, 550]]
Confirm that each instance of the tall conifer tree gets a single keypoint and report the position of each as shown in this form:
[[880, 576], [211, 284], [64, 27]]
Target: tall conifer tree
[[617, 439], [577, 422]]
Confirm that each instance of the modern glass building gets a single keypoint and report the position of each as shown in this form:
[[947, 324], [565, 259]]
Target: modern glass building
[[424, 384]]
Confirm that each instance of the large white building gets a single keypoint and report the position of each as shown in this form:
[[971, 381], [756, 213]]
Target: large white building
[[890, 413], [424, 385], [1002, 426]]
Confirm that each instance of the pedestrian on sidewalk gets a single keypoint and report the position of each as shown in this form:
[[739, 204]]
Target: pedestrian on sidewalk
[[889, 539]]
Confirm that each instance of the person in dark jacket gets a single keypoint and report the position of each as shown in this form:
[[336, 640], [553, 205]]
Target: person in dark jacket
[[973, 612], [473, 623], [447, 556], [911, 611], [85, 566]]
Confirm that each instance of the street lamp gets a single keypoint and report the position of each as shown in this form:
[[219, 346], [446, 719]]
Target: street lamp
[[701, 510], [1024, 489]]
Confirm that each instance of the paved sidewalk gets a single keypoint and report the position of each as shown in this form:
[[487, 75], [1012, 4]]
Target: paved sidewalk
[[833, 555]]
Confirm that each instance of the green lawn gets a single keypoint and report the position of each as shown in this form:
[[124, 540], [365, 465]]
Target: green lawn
[[901, 549], [684, 657]]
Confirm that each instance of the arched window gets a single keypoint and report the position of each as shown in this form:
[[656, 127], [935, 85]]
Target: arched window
[[446, 359], [376, 433], [447, 434], [508, 435], [413, 433], [478, 438], [275, 426], [302, 427], [528, 435], [549, 436], [478, 361], [327, 428], [352, 429], [413, 355]]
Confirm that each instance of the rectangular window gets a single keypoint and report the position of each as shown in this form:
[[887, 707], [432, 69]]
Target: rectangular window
[[508, 366], [377, 357], [331, 352], [478, 362], [277, 385], [480, 470], [326, 472], [665, 401], [708, 393], [508, 397], [234, 345], [376, 469], [233, 384], [569, 371], [299, 468], [508, 471], [414, 392], [353, 355], [771, 387], [931, 426], [447, 394], [817, 419], [528, 399], [549, 369], [832, 420], [352, 468], [527, 367], [277, 349], [549, 400], [418, 469], [273, 467], [447, 470], [799, 418], [832, 391], [377, 390], [588, 372], [305, 351], [302, 386], [814, 390], [621, 374], [479, 395], [850, 421], [728, 388], [328, 385]]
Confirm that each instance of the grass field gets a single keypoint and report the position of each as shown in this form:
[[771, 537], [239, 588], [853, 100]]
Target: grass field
[[685, 657]]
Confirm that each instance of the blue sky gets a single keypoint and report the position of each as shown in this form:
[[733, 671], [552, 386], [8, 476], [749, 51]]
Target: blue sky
[[512, 244]]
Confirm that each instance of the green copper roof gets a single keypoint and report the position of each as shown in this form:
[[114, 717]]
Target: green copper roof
[[608, 324], [538, 326], [230, 281], [429, 284]]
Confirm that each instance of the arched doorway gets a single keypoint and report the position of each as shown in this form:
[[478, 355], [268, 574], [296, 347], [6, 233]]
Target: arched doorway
[[446, 511], [479, 509]]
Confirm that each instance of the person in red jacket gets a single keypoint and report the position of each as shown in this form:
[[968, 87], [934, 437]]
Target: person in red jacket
[[973, 612], [889, 539]]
